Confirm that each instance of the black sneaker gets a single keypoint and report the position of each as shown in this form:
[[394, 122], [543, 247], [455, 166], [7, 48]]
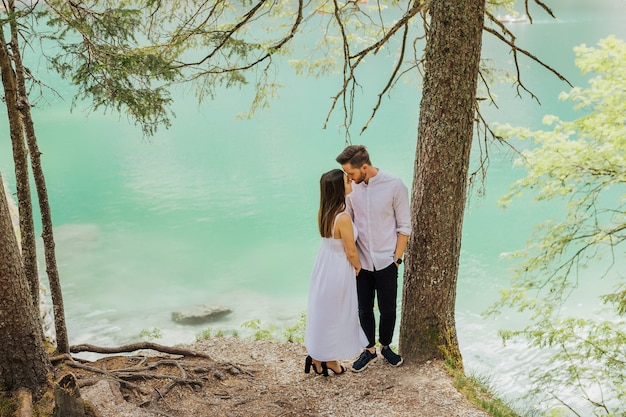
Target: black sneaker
[[393, 358], [364, 359]]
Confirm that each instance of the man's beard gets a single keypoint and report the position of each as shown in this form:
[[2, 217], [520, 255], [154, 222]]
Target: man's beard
[[360, 179]]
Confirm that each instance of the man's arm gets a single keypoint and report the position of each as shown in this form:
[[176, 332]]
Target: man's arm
[[403, 219], [400, 246]]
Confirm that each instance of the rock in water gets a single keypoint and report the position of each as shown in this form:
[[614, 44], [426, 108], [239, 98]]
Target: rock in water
[[200, 314]]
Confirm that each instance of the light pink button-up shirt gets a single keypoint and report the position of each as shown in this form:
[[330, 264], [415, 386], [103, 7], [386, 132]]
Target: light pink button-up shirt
[[380, 210]]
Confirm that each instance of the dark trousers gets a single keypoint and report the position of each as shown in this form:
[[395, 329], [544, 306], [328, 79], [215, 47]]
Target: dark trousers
[[384, 285]]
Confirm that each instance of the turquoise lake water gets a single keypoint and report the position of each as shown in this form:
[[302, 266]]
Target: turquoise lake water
[[222, 210]]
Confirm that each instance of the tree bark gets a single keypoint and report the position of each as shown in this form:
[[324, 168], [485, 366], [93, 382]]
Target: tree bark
[[67, 398], [20, 158], [23, 105], [23, 359], [445, 133]]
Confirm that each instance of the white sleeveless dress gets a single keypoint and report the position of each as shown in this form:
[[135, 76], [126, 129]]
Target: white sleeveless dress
[[332, 329]]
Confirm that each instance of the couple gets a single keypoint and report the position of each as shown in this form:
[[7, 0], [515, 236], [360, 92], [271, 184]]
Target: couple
[[365, 205]]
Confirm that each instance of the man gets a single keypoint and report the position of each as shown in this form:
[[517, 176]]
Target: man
[[379, 206]]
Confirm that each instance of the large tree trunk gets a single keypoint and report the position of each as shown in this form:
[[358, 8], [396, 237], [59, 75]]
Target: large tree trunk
[[440, 180], [23, 359], [47, 235]]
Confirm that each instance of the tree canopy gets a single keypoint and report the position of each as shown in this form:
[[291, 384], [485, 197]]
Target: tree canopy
[[126, 55]]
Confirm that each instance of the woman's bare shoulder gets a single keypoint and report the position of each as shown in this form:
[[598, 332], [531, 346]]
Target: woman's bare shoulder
[[344, 218]]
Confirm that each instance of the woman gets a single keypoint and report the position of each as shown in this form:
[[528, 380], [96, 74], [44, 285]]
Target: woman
[[332, 324]]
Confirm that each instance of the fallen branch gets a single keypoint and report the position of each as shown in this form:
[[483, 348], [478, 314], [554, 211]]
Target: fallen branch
[[137, 346]]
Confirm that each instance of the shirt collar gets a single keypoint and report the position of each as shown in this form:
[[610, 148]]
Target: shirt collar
[[375, 178]]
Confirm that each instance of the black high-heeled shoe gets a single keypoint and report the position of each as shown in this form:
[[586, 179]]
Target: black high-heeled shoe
[[324, 369], [308, 362], [343, 370]]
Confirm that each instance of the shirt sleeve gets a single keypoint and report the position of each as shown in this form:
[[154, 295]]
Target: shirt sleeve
[[402, 210], [349, 208]]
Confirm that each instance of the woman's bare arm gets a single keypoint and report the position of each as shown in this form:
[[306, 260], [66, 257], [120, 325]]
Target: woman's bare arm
[[343, 230]]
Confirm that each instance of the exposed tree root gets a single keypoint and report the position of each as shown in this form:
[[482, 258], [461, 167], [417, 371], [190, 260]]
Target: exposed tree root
[[147, 380], [24, 403]]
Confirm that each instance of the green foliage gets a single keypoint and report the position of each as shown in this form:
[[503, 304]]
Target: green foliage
[[220, 333], [153, 334], [204, 334], [101, 55], [126, 56], [295, 333], [506, 5], [260, 333], [208, 333], [581, 163]]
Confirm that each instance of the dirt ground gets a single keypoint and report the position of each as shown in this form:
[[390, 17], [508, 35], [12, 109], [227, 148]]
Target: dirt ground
[[244, 378]]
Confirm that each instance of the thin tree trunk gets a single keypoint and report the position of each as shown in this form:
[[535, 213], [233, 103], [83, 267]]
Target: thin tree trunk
[[445, 135], [42, 196], [20, 158], [23, 359]]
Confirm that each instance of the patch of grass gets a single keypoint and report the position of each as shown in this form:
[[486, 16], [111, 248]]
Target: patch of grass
[[153, 334], [209, 333], [292, 334], [295, 333], [480, 391], [8, 407], [260, 333], [204, 334]]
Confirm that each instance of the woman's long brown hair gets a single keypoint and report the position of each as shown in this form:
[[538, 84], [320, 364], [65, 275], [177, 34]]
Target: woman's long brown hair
[[332, 200]]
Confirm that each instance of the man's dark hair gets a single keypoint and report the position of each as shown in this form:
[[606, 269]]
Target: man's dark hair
[[356, 155]]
